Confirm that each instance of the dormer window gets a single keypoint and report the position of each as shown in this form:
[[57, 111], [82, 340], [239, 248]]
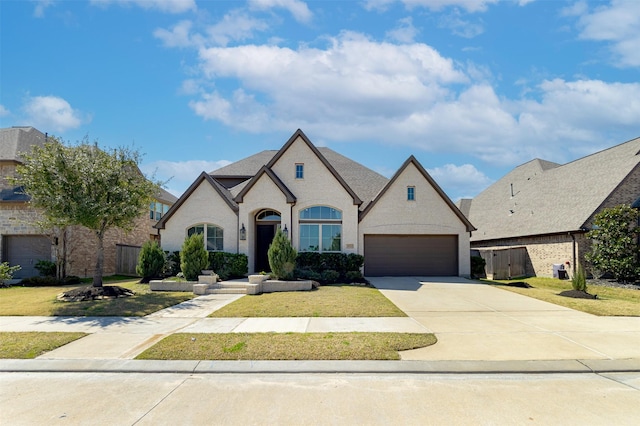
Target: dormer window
[[299, 171], [411, 193]]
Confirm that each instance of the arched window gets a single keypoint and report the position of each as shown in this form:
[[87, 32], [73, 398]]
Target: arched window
[[320, 229], [213, 236], [268, 216]]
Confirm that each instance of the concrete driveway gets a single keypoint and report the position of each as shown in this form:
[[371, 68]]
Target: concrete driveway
[[475, 321]]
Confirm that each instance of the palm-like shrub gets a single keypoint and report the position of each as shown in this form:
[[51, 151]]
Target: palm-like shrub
[[193, 257], [282, 257], [151, 261]]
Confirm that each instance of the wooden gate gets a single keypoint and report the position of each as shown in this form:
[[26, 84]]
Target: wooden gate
[[127, 259]]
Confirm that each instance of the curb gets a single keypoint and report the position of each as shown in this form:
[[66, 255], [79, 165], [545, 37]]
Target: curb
[[319, 367]]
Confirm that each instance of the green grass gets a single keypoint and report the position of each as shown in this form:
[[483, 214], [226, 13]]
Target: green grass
[[286, 346], [327, 301], [41, 301], [28, 345], [611, 301]]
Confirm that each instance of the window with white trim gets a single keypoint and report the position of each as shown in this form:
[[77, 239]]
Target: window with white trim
[[213, 236], [320, 229]]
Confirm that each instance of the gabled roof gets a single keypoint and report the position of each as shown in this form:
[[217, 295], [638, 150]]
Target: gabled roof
[[540, 197], [17, 140], [224, 193], [300, 134], [428, 178], [247, 167], [265, 171]]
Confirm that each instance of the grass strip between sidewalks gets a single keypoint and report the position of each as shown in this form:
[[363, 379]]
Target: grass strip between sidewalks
[[286, 346], [338, 300], [31, 344], [611, 301], [41, 301]]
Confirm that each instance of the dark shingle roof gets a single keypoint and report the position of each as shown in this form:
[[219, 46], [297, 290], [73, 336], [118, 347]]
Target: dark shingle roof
[[363, 181], [541, 197]]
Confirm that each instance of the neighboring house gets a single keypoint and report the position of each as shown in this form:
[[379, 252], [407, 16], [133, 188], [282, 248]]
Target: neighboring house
[[24, 243], [325, 202], [548, 208]]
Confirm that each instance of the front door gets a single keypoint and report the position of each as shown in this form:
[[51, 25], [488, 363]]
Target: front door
[[264, 237]]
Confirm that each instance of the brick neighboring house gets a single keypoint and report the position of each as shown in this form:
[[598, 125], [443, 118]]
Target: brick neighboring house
[[548, 208], [23, 243], [326, 202]]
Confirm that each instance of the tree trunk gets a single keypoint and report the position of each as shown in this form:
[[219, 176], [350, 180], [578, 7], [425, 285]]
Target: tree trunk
[[97, 273]]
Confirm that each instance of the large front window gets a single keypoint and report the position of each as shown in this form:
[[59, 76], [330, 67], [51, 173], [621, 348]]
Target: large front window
[[320, 229], [213, 236]]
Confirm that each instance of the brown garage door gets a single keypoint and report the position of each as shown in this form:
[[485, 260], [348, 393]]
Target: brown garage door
[[410, 255], [25, 250]]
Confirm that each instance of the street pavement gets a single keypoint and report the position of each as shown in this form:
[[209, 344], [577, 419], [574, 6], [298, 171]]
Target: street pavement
[[491, 365]]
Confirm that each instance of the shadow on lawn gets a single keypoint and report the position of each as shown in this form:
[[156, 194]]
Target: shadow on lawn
[[132, 306]]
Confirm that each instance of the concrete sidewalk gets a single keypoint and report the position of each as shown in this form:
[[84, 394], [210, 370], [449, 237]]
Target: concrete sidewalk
[[480, 328]]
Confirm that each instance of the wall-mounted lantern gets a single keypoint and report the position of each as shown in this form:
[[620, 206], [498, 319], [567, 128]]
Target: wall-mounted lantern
[[243, 233], [285, 231]]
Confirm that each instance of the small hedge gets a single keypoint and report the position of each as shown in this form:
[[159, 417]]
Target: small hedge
[[329, 268], [49, 281], [228, 265]]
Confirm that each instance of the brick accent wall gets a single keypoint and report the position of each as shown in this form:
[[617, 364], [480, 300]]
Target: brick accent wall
[[544, 251], [17, 218]]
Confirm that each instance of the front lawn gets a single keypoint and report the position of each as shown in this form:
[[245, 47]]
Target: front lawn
[[41, 301], [338, 300], [286, 346], [31, 344], [611, 301]]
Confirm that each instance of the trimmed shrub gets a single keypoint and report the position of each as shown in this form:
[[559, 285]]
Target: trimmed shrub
[[282, 257], [40, 281], [346, 265], [477, 266], [329, 276], [193, 257], [354, 277], [46, 268], [172, 266], [228, 265], [579, 280], [151, 261]]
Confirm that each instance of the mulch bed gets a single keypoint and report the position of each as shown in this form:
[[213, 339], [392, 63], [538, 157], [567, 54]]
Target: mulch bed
[[94, 293], [578, 294]]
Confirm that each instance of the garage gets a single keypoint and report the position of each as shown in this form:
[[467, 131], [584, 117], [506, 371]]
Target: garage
[[26, 251], [410, 255]]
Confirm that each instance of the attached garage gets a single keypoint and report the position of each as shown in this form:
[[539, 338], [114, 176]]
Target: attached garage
[[26, 251], [410, 255]]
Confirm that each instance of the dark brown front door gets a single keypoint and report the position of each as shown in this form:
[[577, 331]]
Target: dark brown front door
[[264, 237]]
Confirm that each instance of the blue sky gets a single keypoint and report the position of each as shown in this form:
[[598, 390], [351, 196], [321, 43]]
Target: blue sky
[[472, 88]]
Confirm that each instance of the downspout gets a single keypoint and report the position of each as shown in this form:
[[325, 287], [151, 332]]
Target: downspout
[[574, 248]]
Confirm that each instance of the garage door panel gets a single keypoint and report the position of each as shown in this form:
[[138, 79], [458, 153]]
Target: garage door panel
[[26, 251], [411, 255]]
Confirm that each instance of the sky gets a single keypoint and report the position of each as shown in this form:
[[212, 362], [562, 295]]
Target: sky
[[471, 88]]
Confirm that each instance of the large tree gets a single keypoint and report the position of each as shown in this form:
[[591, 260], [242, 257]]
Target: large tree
[[614, 240], [85, 185]]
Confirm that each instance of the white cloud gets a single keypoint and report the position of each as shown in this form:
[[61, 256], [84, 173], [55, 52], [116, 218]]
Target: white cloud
[[460, 27], [41, 6], [616, 23], [178, 36], [297, 8], [51, 113], [3, 111], [458, 179], [167, 6], [405, 32], [180, 174], [436, 5], [235, 26]]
